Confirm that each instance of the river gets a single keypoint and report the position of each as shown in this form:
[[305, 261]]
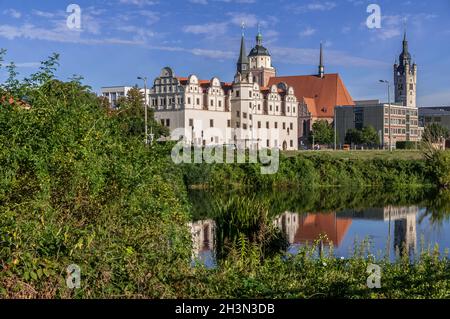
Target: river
[[387, 223]]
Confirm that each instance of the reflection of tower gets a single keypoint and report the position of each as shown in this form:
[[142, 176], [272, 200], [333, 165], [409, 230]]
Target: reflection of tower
[[405, 233], [288, 224], [202, 236]]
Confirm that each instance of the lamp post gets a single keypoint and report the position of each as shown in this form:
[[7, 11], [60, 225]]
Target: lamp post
[[389, 102], [335, 130], [146, 108]]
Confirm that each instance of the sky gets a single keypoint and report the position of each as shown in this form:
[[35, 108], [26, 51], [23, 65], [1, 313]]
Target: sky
[[119, 40]]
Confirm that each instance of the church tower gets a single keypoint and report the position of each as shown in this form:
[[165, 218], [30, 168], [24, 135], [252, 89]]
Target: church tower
[[405, 78], [261, 62], [243, 64]]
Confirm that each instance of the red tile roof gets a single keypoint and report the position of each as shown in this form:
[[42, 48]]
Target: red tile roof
[[11, 101], [321, 95]]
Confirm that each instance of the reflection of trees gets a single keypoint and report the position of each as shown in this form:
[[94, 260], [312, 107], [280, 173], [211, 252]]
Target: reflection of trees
[[243, 222], [311, 200], [438, 208]]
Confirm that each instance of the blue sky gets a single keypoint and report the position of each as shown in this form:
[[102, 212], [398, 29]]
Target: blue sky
[[121, 39]]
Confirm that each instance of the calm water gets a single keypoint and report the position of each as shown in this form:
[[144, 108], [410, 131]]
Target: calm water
[[391, 222]]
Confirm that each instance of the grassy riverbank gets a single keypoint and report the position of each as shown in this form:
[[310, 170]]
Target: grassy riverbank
[[317, 169]]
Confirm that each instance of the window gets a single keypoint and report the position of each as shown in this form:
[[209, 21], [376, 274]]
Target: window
[[270, 107], [198, 101], [212, 102], [250, 93], [211, 123], [284, 125], [267, 125], [162, 122], [411, 86], [277, 108], [276, 124], [268, 143], [168, 122], [238, 124], [244, 115], [292, 143], [244, 126], [291, 126], [293, 110], [229, 123], [191, 122], [259, 124], [220, 103], [189, 100], [237, 93], [259, 107], [238, 114]]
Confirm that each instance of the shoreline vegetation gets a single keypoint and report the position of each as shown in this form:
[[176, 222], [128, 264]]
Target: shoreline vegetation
[[77, 186]]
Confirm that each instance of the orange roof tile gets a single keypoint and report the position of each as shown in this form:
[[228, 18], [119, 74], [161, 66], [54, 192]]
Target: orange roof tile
[[327, 92]]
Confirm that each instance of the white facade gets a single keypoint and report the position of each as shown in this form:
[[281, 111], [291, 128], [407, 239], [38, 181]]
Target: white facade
[[113, 93], [212, 112]]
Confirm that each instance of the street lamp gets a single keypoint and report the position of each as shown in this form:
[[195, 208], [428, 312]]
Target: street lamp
[[389, 101], [146, 107]]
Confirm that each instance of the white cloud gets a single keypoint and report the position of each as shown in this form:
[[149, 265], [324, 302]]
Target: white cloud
[[313, 6], [250, 20], [307, 32], [208, 28], [13, 13], [43, 14], [28, 65], [311, 57], [139, 3], [436, 99], [199, 1]]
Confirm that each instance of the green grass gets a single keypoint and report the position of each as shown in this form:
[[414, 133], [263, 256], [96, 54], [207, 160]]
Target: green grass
[[365, 155]]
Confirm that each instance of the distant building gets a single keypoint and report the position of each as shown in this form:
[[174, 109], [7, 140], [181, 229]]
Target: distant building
[[404, 121], [113, 93], [403, 113], [435, 115]]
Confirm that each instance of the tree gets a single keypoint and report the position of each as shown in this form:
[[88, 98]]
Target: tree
[[131, 112], [353, 136], [435, 132], [322, 133], [369, 136]]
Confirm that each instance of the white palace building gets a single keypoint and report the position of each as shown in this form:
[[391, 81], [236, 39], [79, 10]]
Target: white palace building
[[256, 110]]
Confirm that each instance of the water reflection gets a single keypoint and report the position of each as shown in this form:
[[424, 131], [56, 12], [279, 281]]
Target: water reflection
[[392, 230]]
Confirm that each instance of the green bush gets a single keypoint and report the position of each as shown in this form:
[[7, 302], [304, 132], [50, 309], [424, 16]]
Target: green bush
[[406, 145]]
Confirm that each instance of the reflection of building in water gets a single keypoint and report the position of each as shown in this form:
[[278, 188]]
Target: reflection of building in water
[[288, 223], [405, 234], [202, 236], [404, 218], [308, 228]]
